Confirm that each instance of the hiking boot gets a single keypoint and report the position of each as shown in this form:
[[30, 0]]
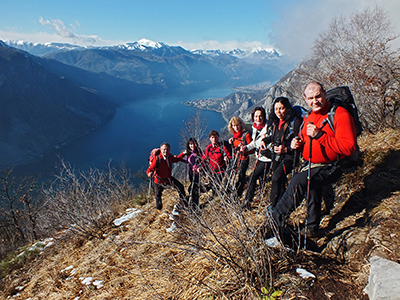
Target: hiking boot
[[176, 211], [172, 228], [310, 233]]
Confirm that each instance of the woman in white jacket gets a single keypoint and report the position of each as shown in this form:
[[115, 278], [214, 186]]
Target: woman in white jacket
[[263, 162]]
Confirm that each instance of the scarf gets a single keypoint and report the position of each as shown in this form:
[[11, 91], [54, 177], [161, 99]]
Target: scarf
[[281, 122], [259, 127], [238, 135]]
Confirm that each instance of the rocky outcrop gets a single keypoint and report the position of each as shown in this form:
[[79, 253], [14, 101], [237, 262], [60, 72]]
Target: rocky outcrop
[[242, 103]]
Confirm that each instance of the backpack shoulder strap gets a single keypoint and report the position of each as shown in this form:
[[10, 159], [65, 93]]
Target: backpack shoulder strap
[[245, 133]]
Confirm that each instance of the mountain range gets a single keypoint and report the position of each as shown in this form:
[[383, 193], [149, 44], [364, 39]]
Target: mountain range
[[54, 93], [41, 110]]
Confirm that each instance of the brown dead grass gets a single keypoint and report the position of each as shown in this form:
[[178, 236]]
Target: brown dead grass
[[140, 260]]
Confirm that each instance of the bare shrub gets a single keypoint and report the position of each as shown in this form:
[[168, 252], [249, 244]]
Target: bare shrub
[[196, 127], [19, 211], [356, 51], [86, 202], [226, 240]]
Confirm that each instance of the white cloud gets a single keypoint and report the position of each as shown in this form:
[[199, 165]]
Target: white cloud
[[60, 29], [300, 24]]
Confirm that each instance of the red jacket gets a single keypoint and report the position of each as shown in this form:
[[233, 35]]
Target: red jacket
[[162, 168], [328, 145], [238, 140], [215, 156]]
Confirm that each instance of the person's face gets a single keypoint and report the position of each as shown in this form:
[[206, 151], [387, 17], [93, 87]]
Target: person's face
[[258, 117], [315, 97], [164, 150], [192, 146], [214, 139], [236, 127], [280, 110]]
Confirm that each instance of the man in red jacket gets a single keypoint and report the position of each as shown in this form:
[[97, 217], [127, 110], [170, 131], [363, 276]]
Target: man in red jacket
[[328, 147], [161, 168]]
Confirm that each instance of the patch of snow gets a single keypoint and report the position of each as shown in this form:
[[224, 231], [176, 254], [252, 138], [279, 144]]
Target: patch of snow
[[87, 280], [67, 268], [98, 284], [130, 213], [304, 273]]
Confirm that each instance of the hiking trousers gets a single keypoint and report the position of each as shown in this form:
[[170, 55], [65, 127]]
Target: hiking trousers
[[159, 188], [280, 170], [194, 189], [243, 165], [260, 171], [296, 191]]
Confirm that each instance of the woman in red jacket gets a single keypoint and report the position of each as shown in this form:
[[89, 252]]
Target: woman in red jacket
[[241, 158], [215, 158], [161, 168]]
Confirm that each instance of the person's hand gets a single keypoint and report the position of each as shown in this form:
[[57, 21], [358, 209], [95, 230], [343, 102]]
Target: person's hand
[[150, 174], [231, 140], [263, 146], [243, 148], [312, 130], [296, 143], [280, 149], [226, 158], [185, 151]]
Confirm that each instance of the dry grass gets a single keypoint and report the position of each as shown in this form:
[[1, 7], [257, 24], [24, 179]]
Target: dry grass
[[220, 254]]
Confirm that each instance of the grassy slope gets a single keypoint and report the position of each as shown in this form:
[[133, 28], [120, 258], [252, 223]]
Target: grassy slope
[[140, 260]]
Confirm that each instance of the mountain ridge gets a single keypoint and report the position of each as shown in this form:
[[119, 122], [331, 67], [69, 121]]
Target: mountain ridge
[[40, 110]]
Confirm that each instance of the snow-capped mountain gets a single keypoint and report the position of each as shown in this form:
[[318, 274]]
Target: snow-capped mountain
[[143, 44], [39, 49]]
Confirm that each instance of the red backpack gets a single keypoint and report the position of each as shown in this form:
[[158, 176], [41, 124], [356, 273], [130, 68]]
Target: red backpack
[[153, 154]]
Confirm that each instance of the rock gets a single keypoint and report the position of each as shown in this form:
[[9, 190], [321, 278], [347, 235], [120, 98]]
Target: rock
[[384, 279]]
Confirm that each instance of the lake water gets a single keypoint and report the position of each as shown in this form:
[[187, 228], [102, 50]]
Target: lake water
[[129, 137]]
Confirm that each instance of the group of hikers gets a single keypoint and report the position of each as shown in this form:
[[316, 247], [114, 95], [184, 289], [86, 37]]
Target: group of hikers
[[277, 141]]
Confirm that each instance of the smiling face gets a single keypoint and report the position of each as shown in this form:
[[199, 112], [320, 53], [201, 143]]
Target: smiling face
[[237, 127], [258, 117], [280, 110], [214, 139], [315, 97], [192, 146], [165, 150]]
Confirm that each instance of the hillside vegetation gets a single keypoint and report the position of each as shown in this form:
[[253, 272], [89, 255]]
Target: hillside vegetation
[[220, 253]]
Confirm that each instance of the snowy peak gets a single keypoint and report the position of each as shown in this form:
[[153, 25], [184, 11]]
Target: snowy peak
[[149, 43], [41, 49], [257, 52], [143, 44]]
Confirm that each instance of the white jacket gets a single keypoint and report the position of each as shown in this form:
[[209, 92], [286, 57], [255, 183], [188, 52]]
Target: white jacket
[[256, 142]]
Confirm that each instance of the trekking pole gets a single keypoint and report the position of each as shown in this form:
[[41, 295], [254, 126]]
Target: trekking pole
[[295, 158], [308, 187], [148, 194], [232, 171]]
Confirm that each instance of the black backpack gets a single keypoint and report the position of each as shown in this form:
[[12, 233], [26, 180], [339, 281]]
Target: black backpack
[[341, 96]]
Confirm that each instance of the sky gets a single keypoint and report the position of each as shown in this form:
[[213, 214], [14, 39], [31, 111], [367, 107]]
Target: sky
[[289, 26]]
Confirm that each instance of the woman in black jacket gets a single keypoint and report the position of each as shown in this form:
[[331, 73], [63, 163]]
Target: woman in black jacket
[[285, 124]]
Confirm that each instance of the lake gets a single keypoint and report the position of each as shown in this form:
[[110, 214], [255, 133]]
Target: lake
[[129, 137]]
